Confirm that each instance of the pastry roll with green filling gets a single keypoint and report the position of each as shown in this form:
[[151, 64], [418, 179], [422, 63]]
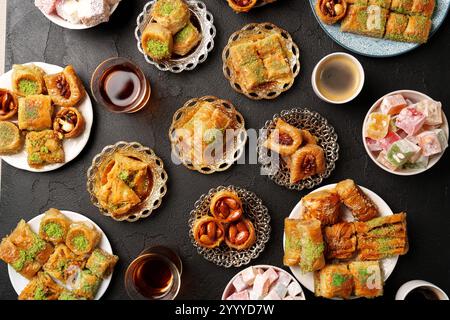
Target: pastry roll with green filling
[[44, 147], [18, 259], [101, 263], [368, 278], [292, 246], [35, 113], [402, 6], [396, 26], [418, 29], [423, 7], [10, 139], [41, 287], [28, 80], [333, 281], [69, 295], [87, 285], [186, 40], [63, 264], [157, 42], [171, 14], [82, 237], [54, 226]]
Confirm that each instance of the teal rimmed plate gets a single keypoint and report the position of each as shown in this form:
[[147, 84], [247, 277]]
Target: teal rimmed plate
[[379, 48]]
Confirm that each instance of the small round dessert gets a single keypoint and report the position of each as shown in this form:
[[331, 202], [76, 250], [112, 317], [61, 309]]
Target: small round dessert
[[54, 226], [157, 41], [82, 237], [10, 139], [226, 206], [240, 235], [331, 11], [69, 123], [242, 5], [171, 14], [208, 232], [8, 104]]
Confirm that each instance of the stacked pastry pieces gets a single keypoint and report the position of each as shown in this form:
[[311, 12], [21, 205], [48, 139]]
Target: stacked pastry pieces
[[344, 256], [62, 262]]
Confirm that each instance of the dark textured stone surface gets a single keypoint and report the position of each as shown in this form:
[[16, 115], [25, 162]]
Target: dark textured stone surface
[[31, 37]]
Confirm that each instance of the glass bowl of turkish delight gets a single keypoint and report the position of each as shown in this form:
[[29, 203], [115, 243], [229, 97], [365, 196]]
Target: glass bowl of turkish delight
[[263, 282], [405, 132]]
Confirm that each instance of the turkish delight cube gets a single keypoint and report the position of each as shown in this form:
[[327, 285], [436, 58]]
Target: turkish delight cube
[[401, 151], [272, 296], [279, 288], [243, 295], [373, 145], [261, 285], [284, 278], [392, 126], [46, 6], [418, 162], [429, 142], [248, 275], [432, 111], [387, 141], [239, 284], [410, 120], [382, 158], [294, 289], [93, 12], [442, 136], [377, 125], [393, 104], [272, 275]]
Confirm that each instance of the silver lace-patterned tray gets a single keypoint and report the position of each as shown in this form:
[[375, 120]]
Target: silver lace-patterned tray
[[253, 210], [270, 92], [229, 158], [152, 202], [319, 127], [176, 65]]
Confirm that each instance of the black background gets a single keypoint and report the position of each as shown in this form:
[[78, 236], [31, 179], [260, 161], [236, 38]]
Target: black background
[[31, 37]]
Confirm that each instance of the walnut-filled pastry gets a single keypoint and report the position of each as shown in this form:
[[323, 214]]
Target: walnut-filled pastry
[[285, 139], [331, 11], [69, 122], [242, 5], [306, 162]]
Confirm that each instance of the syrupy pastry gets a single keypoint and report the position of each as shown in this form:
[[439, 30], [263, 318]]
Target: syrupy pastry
[[333, 281], [157, 42], [368, 278], [44, 147], [9, 104], [308, 138], [82, 237], [311, 244], [63, 264], [242, 5], [186, 39], [65, 88], [54, 226], [331, 11], [322, 205], [35, 113], [69, 123], [382, 237], [292, 247], [340, 240], [28, 80], [285, 139], [41, 287], [24, 250], [226, 206], [171, 14], [10, 139], [306, 162], [101, 263], [208, 232], [361, 206], [87, 285], [123, 181], [240, 235]]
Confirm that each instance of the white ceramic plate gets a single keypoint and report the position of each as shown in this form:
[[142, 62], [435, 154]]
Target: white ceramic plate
[[387, 265], [229, 289], [19, 282], [68, 25], [72, 147], [414, 96]]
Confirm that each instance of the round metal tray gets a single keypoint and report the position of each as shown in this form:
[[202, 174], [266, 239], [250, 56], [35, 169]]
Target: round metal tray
[[229, 158], [253, 210], [152, 202], [176, 65], [273, 91], [319, 127]]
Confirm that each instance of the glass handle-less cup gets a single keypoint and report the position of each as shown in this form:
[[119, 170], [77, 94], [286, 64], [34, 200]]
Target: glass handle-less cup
[[154, 275]]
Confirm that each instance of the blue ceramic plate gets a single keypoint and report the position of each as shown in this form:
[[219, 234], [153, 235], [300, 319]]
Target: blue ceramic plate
[[373, 47]]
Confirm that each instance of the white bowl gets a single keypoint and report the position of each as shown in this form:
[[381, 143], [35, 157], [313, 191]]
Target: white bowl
[[414, 96], [361, 77], [229, 289], [409, 286], [68, 25]]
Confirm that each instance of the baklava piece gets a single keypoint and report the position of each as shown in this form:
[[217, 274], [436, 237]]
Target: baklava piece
[[9, 104], [41, 287], [226, 206], [101, 263], [285, 139], [240, 235], [10, 139], [69, 123], [171, 14], [361, 206], [307, 162], [331, 11], [63, 264], [157, 42], [54, 226], [87, 285], [208, 232], [242, 5], [333, 281], [28, 80], [65, 88], [418, 29], [82, 237], [340, 240], [186, 39], [322, 205], [35, 113], [368, 278], [423, 7], [44, 147], [396, 26], [365, 20], [402, 6]]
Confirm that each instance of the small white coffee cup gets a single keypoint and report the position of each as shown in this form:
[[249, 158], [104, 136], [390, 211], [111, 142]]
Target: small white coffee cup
[[409, 286], [325, 59]]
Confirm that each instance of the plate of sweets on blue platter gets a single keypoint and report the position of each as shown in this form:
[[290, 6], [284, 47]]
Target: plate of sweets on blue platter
[[380, 28]]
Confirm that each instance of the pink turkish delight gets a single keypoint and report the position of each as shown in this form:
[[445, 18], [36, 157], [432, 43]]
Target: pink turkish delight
[[429, 142], [272, 275], [46, 6], [284, 278], [393, 104], [261, 286], [382, 158], [248, 275], [387, 141], [410, 120], [239, 284], [373, 145], [243, 295]]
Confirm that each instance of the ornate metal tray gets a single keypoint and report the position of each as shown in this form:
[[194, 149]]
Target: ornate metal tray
[[319, 127], [253, 210]]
